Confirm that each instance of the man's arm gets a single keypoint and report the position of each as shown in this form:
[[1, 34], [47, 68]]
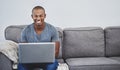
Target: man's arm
[[57, 46], [55, 38], [23, 37]]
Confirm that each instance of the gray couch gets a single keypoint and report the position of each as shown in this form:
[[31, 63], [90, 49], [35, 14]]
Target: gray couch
[[84, 48], [92, 48]]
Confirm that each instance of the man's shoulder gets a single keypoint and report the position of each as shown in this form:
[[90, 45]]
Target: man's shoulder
[[28, 27], [50, 26]]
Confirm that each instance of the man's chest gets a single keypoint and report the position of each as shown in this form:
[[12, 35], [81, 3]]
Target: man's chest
[[42, 37]]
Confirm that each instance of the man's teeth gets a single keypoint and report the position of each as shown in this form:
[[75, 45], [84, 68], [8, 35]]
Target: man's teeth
[[38, 22]]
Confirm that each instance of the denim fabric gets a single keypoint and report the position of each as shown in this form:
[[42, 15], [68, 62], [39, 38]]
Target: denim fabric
[[51, 66]]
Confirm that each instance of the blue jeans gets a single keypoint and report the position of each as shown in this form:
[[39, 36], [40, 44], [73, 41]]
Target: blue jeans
[[52, 66]]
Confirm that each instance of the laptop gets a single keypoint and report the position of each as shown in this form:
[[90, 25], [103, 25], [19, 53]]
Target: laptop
[[36, 52]]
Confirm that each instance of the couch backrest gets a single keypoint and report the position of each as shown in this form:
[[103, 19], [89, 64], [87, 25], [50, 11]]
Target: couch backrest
[[83, 42], [13, 33], [112, 36]]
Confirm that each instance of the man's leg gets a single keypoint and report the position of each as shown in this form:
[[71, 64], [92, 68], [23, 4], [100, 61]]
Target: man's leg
[[31, 66], [21, 67], [25, 66], [52, 66]]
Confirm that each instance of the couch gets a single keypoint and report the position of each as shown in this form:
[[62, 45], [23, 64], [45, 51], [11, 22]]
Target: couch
[[83, 48], [13, 33], [92, 48]]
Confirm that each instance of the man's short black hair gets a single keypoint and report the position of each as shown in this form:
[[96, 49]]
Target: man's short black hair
[[38, 7]]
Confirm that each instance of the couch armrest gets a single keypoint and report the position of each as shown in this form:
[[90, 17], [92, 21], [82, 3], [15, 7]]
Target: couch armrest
[[5, 63]]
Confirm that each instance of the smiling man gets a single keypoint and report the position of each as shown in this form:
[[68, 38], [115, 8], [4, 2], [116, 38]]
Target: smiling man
[[40, 31]]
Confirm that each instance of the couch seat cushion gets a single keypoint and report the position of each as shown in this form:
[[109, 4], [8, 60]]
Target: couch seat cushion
[[115, 58], [97, 63]]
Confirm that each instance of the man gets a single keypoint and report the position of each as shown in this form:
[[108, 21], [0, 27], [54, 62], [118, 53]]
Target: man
[[40, 31]]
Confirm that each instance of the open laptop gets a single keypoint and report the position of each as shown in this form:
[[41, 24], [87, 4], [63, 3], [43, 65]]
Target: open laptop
[[36, 52]]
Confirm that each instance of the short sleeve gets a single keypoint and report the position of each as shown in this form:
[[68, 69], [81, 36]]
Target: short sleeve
[[55, 35], [23, 36]]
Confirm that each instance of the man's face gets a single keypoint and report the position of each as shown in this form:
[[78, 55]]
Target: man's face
[[38, 15]]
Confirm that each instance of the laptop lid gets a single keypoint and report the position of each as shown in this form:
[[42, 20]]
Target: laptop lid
[[36, 52]]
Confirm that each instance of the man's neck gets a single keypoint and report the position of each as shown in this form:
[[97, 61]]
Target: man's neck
[[39, 28]]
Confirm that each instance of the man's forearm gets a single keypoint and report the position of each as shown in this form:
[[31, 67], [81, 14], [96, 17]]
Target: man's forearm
[[57, 46]]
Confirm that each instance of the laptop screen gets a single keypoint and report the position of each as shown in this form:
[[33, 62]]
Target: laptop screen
[[37, 52]]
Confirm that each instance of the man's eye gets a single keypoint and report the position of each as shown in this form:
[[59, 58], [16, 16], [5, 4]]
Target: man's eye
[[36, 16], [40, 16]]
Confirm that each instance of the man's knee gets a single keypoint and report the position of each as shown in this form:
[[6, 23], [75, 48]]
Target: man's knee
[[52, 66]]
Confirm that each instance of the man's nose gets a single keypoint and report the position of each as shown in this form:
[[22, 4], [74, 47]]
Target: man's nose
[[38, 18]]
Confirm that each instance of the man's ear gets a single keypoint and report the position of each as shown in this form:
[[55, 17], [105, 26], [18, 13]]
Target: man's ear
[[45, 15], [31, 15]]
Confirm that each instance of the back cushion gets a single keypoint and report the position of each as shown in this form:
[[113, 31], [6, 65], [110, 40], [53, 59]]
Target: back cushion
[[13, 33], [83, 42], [112, 35]]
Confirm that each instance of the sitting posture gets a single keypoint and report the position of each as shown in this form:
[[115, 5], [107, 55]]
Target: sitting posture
[[40, 31]]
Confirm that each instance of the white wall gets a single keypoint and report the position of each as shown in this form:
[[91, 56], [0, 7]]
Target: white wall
[[61, 13]]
